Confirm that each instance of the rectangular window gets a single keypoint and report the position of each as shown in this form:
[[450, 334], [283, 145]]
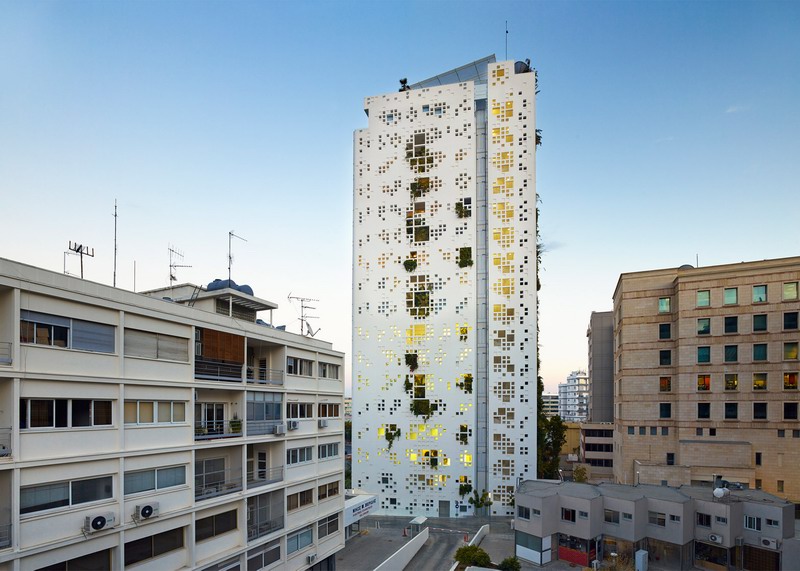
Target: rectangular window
[[790, 381], [704, 326], [758, 458], [583, 514], [759, 351], [327, 526], [149, 412], [626, 516], [45, 329], [298, 455], [328, 371], [790, 351], [211, 526], [153, 546], [703, 520], [665, 431], [781, 433], [731, 381], [299, 539], [759, 322], [703, 382], [64, 413], [665, 358], [698, 432], [665, 410], [790, 291], [611, 516], [730, 296], [674, 518], [567, 515], [703, 298], [790, 320], [642, 431], [299, 410], [773, 522], [653, 431], [523, 512], [664, 331], [790, 411], [325, 410], [328, 490], [731, 353], [657, 518], [759, 411], [721, 520], [752, 523], [732, 324], [758, 483], [663, 305], [536, 512], [49, 496], [263, 409], [665, 384], [262, 556], [759, 381], [154, 479], [731, 410], [703, 410], [631, 429], [330, 450], [297, 366], [300, 499], [759, 294], [670, 458], [149, 345], [704, 354]]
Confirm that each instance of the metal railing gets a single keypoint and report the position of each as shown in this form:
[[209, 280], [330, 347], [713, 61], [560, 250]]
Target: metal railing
[[5, 441], [258, 427], [215, 371], [5, 353], [206, 430], [217, 483], [260, 529], [264, 376], [263, 477]]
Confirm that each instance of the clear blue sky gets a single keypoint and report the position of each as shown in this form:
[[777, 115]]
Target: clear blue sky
[[670, 132]]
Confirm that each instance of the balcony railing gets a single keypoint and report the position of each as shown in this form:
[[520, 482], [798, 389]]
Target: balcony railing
[[217, 483], [264, 376], [263, 477], [5, 535], [206, 430], [260, 529], [5, 442], [5, 353], [258, 427], [216, 371]]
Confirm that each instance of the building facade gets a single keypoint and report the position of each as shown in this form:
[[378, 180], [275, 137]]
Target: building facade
[[573, 397], [706, 375], [677, 528], [444, 292], [600, 337], [597, 450], [163, 431], [550, 404]]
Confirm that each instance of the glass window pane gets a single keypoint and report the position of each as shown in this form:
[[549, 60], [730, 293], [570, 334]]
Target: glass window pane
[[704, 326], [731, 381], [760, 352], [145, 412], [44, 497], [790, 381], [168, 477], [790, 291], [704, 354], [663, 305], [759, 294], [731, 353], [760, 322], [731, 296], [42, 413], [178, 412], [130, 412], [790, 351], [140, 481], [759, 381], [731, 324], [140, 344], [164, 411], [138, 550], [204, 528], [703, 298], [167, 541], [102, 413], [91, 490], [81, 412], [790, 320]]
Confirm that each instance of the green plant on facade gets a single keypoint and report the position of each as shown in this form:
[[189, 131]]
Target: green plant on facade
[[410, 265], [412, 361], [464, 489], [235, 424], [434, 463], [481, 500], [391, 435], [422, 407], [463, 438], [466, 384], [462, 211], [464, 257], [408, 386]]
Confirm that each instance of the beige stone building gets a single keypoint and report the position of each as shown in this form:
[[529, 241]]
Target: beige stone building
[[706, 376]]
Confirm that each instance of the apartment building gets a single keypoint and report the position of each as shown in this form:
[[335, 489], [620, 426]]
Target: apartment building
[[706, 370], [573, 397], [597, 450], [444, 292], [173, 430], [550, 404], [600, 337], [675, 528]]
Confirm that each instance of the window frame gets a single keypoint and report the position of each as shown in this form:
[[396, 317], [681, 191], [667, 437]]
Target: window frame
[[569, 514], [731, 410], [156, 412], [760, 415], [300, 455], [757, 296], [665, 410], [758, 327], [703, 354], [299, 539], [156, 480], [752, 523], [664, 305], [25, 416], [730, 324], [704, 411], [327, 526], [790, 320], [657, 518], [218, 525], [703, 298], [790, 350], [704, 326], [154, 549], [704, 382], [611, 516], [665, 357], [106, 481], [760, 352], [665, 384], [664, 331], [790, 380], [792, 296], [760, 381], [725, 297]]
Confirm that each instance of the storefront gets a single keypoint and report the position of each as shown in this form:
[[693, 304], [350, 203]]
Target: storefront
[[355, 509], [576, 550]]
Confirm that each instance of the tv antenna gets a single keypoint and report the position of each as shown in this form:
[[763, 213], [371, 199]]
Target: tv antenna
[[305, 326], [68, 253], [174, 257], [230, 256], [82, 251]]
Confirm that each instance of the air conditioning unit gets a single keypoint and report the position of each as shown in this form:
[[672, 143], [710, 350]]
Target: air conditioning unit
[[279, 429], [146, 511], [323, 423], [739, 541], [715, 538], [769, 542], [293, 424], [311, 558], [99, 522]]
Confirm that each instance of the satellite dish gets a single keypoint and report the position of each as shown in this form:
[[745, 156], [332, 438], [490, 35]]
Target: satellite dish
[[720, 493]]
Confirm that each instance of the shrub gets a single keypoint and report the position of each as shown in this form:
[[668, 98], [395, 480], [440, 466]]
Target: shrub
[[509, 564], [473, 555], [410, 265]]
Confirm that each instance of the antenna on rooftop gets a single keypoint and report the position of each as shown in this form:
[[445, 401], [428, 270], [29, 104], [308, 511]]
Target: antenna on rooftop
[[115, 243], [506, 39], [174, 257], [230, 256], [81, 250], [305, 326]]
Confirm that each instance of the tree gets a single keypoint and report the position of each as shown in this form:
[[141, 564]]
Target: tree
[[510, 564], [472, 555], [579, 474]]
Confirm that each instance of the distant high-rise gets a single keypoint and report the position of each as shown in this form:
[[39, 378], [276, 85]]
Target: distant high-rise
[[444, 292], [550, 404], [600, 337], [573, 397]]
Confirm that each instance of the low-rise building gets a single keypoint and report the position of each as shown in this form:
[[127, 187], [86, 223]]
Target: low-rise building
[[712, 528], [597, 450]]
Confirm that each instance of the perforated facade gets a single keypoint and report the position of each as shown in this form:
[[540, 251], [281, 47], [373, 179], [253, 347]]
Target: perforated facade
[[444, 301]]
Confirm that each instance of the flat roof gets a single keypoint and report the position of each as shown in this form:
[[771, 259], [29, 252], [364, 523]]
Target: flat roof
[[477, 71]]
